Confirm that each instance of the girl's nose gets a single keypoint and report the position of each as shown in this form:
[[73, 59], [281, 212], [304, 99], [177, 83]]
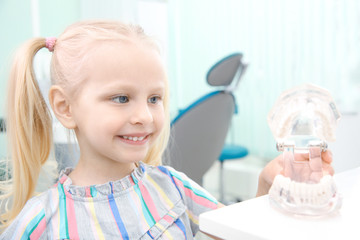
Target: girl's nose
[[141, 114]]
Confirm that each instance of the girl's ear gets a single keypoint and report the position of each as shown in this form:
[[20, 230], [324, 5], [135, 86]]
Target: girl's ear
[[61, 106]]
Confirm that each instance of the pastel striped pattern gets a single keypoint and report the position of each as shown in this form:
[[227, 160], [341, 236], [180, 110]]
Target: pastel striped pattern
[[164, 198], [145, 210], [193, 217], [35, 227], [192, 190], [27, 218], [117, 218], [63, 228], [181, 226], [153, 202], [38, 228], [53, 197], [166, 234], [149, 203], [71, 216], [98, 234], [134, 203]]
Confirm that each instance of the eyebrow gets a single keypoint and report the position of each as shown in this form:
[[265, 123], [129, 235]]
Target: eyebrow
[[129, 87]]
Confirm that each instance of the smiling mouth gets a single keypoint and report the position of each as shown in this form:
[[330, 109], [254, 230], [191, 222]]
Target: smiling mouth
[[134, 139]]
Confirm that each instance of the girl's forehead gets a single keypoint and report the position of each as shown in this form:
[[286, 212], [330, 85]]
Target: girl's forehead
[[131, 62], [125, 53]]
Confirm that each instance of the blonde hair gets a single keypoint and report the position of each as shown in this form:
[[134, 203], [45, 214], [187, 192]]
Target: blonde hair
[[29, 123]]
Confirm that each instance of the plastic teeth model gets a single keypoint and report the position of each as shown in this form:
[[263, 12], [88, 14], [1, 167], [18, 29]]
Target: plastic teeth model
[[302, 120], [305, 199]]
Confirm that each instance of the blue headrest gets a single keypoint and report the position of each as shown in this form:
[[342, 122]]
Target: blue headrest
[[223, 72]]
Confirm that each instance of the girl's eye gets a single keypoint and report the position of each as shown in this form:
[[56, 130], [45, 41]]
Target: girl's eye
[[154, 99], [120, 99]]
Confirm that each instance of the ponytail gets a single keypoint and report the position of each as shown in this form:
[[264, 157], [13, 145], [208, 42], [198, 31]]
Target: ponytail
[[29, 130]]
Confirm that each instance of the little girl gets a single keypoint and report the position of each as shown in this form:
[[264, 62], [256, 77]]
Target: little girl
[[109, 86]]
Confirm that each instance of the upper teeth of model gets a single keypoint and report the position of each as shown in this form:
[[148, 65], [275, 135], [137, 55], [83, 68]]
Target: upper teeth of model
[[134, 138]]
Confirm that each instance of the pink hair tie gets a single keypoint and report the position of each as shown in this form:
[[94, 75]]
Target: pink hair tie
[[50, 43]]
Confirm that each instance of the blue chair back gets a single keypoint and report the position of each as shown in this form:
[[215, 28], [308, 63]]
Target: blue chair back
[[198, 133]]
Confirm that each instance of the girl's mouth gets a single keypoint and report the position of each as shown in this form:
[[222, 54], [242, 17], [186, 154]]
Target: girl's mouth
[[134, 139]]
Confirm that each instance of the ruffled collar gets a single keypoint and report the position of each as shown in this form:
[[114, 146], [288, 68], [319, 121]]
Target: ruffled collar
[[100, 190]]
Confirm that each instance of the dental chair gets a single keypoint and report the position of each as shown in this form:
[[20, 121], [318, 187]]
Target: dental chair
[[199, 132]]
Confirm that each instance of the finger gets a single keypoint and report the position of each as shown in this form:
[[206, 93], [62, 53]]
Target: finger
[[301, 156], [327, 156], [328, 169], [315, 152], [315, 162]]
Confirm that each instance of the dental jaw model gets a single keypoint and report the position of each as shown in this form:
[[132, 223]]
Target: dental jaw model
[[302, 121]]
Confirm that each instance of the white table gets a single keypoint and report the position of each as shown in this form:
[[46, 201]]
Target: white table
[[256, 219]]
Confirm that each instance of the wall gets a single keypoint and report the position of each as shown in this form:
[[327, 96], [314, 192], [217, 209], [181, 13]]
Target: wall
[[10, 38], [21, 20], [286, 43]]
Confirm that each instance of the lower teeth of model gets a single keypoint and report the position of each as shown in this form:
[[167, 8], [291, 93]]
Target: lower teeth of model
[[303, 194]]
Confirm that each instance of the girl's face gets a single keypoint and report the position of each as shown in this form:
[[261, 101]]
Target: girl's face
[[119, 111]]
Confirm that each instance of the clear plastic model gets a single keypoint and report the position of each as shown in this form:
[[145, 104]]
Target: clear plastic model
[[303, 120]]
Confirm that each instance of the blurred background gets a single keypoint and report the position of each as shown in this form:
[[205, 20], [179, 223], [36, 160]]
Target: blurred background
[[285, 43]]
